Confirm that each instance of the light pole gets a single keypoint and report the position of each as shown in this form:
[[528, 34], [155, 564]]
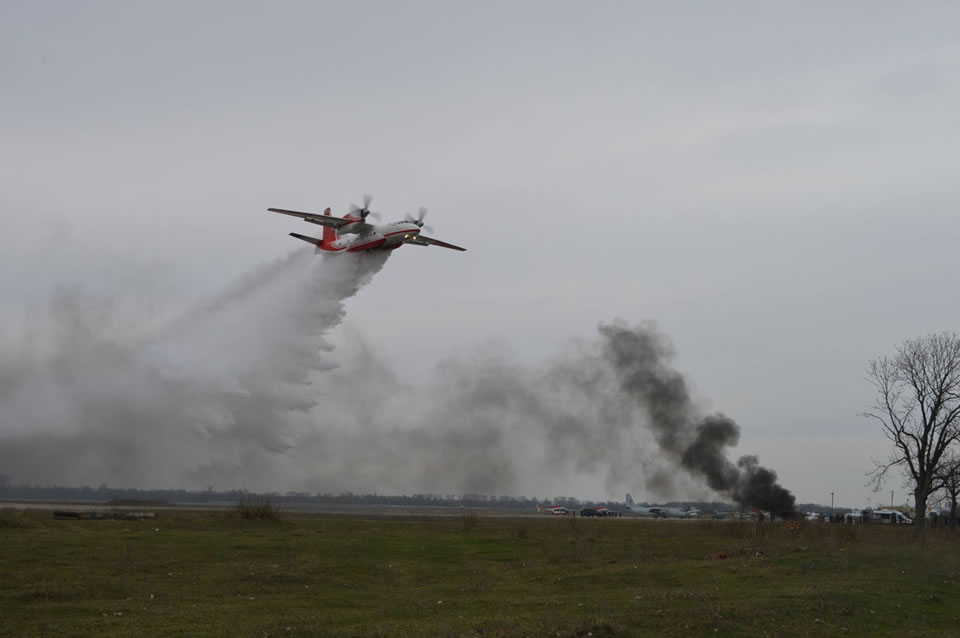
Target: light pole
[[831, 504]]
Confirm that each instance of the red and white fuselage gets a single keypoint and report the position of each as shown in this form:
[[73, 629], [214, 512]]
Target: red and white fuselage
[[361, 236], [376, 237]]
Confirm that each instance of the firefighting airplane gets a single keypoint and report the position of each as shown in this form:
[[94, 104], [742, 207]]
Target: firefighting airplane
[[364, 236]]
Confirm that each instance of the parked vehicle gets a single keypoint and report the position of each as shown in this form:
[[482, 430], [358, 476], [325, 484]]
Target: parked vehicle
[[595, 511], [890, 517], [854, 518]]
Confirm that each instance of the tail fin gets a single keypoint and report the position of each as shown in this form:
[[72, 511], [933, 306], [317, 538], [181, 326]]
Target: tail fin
[[628, 500], [329, 235]]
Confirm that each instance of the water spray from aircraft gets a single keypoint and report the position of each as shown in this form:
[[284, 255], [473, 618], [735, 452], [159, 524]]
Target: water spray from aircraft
[[211, 397]]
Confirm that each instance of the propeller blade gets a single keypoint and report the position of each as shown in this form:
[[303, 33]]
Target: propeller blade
[[363, 212], [419, 220]]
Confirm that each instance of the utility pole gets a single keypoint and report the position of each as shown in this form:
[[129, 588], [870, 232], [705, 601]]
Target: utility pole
[[831, 504], [891, 499]]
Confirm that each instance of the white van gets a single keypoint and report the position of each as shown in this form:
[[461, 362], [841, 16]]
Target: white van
[[890, 517], [853, 518]]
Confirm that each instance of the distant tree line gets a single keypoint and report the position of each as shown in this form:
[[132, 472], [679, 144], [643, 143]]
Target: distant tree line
[[106, 494]]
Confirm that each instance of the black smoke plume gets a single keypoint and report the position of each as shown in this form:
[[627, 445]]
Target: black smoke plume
[[640, 356]]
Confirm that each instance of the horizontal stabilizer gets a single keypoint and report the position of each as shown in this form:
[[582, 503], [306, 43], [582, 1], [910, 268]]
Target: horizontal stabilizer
[[310, 240]]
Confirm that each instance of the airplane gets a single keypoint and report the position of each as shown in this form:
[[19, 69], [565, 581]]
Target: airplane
[[674, 512], [366, 236], [683, 512], [660, 511], [640, 510]]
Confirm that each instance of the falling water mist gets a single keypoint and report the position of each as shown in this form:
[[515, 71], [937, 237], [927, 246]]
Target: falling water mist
[[215, 397]]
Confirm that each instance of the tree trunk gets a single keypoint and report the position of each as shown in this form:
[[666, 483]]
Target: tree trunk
[[953, 511], [920, 509]]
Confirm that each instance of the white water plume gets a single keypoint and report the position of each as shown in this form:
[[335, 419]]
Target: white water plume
[[215, 397]]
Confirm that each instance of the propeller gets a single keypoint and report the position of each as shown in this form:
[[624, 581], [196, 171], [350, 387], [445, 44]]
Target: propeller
[[365, 211], [419, 220]]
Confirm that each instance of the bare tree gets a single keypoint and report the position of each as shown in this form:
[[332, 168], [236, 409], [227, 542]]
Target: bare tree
[[918, 408], [949, 478]]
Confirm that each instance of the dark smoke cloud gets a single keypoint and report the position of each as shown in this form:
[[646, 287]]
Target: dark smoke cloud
[[640, 357], [613, 409]]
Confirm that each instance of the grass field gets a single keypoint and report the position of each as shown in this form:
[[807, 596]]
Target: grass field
[[216, 574]]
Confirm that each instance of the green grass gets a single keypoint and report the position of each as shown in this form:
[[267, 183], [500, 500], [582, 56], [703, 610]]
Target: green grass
[[216, 574]]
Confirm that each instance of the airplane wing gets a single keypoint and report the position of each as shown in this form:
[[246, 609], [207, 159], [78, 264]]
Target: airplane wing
[[323, 220], [420, 240]]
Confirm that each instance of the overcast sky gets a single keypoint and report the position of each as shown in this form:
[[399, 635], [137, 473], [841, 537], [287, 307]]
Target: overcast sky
[[774, 185]]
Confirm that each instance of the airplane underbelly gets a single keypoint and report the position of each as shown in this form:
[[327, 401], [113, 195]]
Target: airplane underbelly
[[367, 244]]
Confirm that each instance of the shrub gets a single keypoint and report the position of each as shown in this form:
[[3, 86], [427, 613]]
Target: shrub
[[257, 507]]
